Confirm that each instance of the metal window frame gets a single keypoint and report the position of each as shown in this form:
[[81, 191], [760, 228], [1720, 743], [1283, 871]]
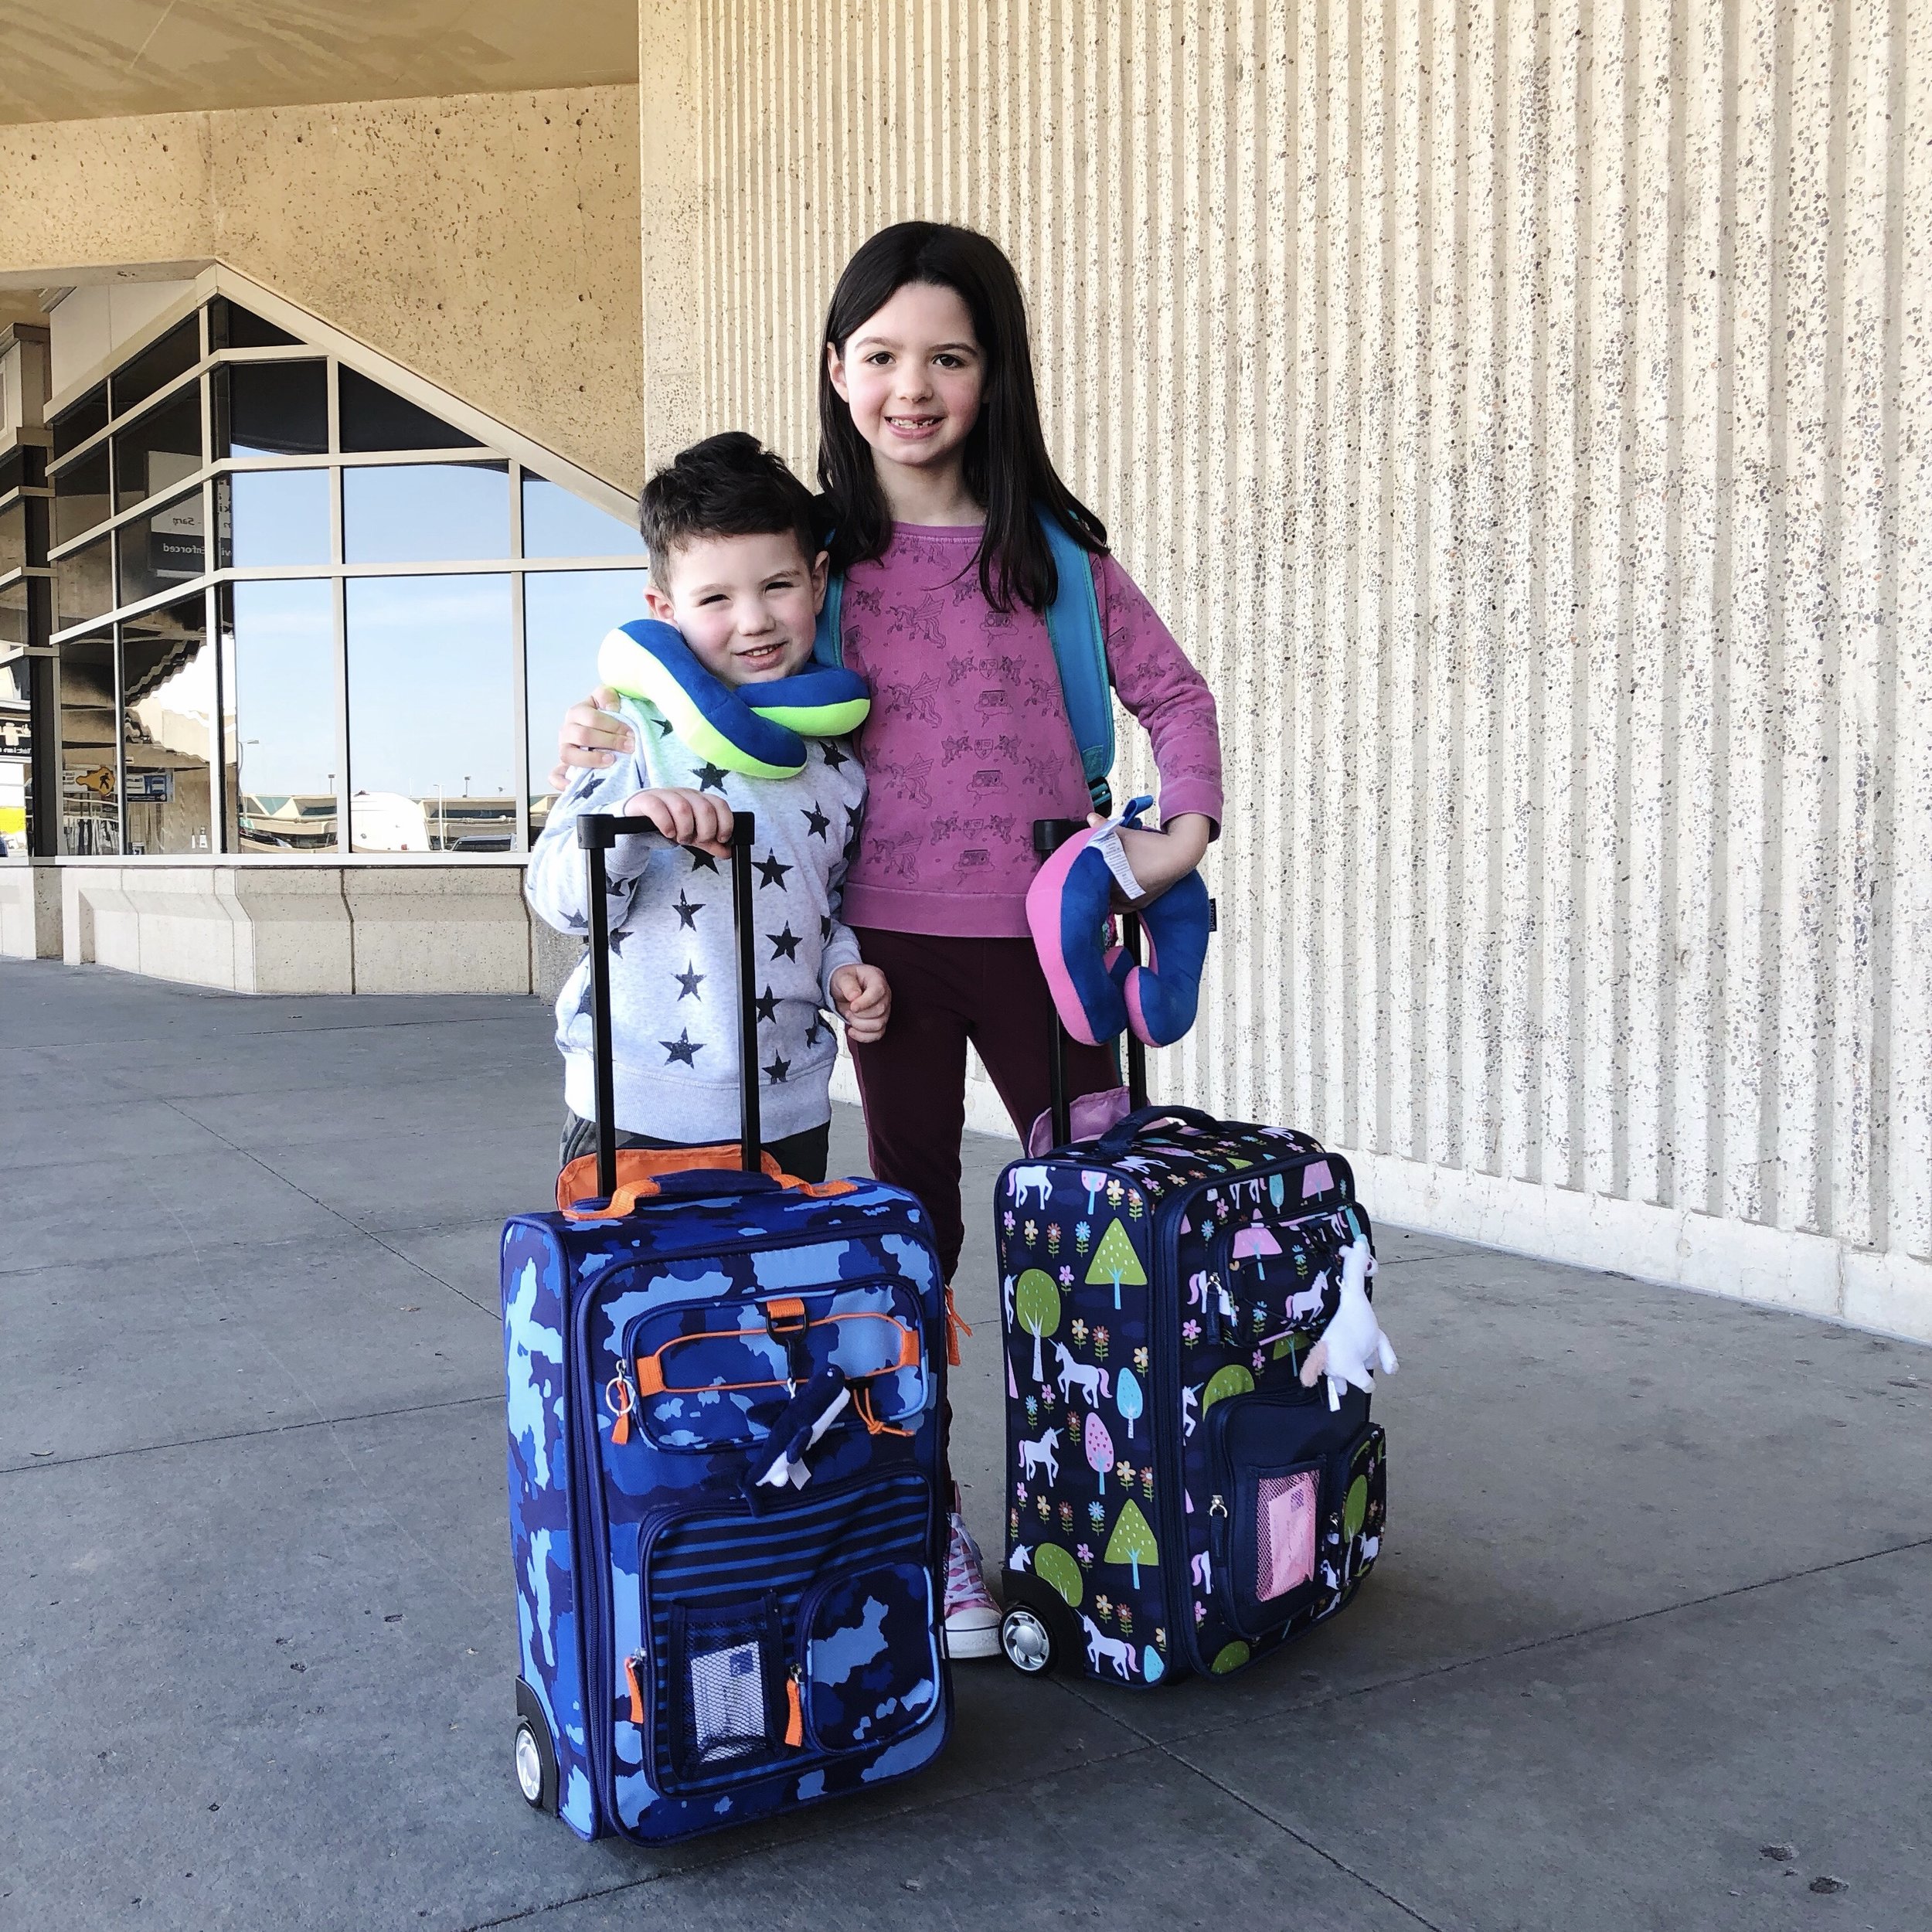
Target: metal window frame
[[496, 446]]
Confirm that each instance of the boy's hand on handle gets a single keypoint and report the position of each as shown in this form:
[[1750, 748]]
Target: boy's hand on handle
[[1164, 858], [685, 818], [592, 736], [864, 1000]]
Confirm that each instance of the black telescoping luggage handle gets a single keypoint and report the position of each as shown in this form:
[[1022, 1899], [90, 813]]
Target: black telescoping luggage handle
[[1124, 1132], [1049, 835], [597, 832]]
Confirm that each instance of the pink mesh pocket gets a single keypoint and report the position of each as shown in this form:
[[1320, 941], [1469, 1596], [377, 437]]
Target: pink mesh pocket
[[1284, 1533]]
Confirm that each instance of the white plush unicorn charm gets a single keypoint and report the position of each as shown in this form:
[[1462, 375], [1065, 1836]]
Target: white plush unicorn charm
[[1352, 1346]]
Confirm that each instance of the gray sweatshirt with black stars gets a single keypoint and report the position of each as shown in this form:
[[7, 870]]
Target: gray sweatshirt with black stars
[[673, 1012]]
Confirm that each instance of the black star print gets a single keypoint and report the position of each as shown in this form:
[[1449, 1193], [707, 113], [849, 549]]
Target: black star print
[[683, 1048], [766, 1004], [575, 921], [688, 981], [703, 861], [778, 1069], [820, 826], [834, 757], [687, 912], [617, 943], [784, 945], [824, 926], [665, 726], [771, 872], [817, 1027], [710, 777], [584, 998]]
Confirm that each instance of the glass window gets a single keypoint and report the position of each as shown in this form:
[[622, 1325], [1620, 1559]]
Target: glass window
[[16, 754], [376, 418], [271, 408], [80, 497], [281, 724], [13, 612], [167, 729], [157, 366], [433, 754], [80, 420], [273, 518], [556, 523], [90, 789], [12, 471], [166, 548], [162, 449], [231, 326], [84, 583], [13, 536], [426, 513], [565, 614]]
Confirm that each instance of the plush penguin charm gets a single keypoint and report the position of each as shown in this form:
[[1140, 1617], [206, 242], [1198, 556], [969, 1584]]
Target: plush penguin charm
[[1352, 1346]]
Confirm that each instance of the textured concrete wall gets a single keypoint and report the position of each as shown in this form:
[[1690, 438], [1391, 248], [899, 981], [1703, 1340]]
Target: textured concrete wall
[[488, 242], [1520, 411]]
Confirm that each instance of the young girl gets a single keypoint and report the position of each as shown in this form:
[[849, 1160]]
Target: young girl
[[931, 456]]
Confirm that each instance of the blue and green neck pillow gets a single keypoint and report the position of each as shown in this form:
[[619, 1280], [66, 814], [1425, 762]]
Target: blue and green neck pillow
[[759, 729]]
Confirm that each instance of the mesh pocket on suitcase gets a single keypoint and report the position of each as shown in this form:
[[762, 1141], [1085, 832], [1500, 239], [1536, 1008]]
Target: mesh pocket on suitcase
[[1285, 1533], [724, 1662]]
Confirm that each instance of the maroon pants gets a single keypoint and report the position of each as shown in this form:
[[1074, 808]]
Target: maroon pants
[[945, 992]]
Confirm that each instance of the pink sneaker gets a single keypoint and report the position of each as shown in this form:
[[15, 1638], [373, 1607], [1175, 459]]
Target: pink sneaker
[[972, 1617]]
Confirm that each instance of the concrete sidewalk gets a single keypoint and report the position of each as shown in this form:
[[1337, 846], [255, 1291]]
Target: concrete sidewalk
[[1653, 1601]]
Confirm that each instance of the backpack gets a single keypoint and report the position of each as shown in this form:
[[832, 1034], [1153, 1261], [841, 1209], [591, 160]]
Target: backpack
[[1079, 650]]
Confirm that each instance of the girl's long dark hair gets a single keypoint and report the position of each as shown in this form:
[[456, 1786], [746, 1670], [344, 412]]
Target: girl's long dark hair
[[1007, 468]]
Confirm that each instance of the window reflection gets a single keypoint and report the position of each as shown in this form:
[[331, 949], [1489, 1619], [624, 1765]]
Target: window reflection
[[168, 705], [13, 536], [374, 418], [80, 420], [157, 366], [13, 612], [271, 408], [84, 583], [164, 549], [565, 614], [426, 513], [271, 518], [557, 524], [16, 754], [162, 449], [90, 791], [280, 725], [231, 326], [432, 744], [80, 498]]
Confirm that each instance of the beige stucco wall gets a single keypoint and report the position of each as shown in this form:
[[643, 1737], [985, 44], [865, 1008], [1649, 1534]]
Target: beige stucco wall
[[1520, 412], [488, 242]]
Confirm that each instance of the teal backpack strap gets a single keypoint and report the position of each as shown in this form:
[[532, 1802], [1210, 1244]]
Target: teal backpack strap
[[1080, 649], [827, 642]]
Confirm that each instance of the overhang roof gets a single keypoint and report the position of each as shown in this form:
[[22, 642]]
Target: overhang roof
[[85, 59]]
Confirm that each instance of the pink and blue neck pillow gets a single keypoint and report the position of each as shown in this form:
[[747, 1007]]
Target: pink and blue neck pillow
[[1098, 988]]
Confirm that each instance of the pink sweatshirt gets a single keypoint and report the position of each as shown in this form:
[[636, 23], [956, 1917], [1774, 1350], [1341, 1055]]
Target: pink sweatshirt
[[968, 741]]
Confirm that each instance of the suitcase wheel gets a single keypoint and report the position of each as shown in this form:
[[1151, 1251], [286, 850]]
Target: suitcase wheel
[[1027, 1641], [531, 1756]]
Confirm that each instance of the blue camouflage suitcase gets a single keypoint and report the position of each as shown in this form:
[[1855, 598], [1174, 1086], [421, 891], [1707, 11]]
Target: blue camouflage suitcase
[[724, 1403], [1176, 1501]]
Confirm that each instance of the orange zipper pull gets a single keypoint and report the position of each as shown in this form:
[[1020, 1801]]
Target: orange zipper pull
[[794, 1713], [637, 1690], [621, 1409]]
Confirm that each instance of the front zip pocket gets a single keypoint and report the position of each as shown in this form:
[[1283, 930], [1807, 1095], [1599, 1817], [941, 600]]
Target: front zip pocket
[[705, 1376], [772, 1639], [1276, 1503]]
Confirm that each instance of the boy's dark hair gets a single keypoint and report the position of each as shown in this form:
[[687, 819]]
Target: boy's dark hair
[[727, 485], [1006, 468]]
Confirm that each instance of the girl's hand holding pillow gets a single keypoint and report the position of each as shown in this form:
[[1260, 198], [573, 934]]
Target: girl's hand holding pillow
[[1163, 859]]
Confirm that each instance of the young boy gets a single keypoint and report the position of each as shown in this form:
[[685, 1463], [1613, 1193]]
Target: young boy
[[735, 566]]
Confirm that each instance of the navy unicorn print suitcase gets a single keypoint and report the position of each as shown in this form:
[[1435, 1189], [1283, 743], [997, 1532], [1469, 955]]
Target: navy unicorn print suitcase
[[1177, 1501], [724, 1401]]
